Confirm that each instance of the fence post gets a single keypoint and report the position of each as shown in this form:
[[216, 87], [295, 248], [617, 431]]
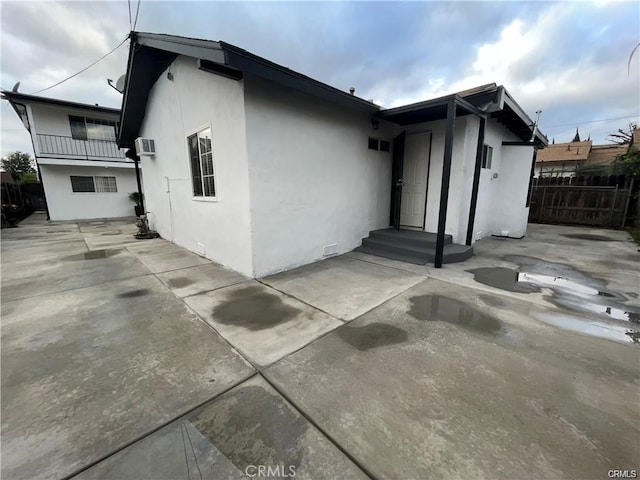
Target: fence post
[[626, 204], [544, 192], [613, 206]]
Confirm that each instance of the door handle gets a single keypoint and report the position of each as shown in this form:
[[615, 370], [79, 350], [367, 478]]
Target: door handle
[[400, 183]]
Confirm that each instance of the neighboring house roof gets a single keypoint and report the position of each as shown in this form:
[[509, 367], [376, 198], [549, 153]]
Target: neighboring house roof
[[23, 97], [565, 152], [18, 100], [605, 154], [635, 138], [5, 177], [150, 54]]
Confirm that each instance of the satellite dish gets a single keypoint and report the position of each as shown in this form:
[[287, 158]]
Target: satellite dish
[[119, 86]]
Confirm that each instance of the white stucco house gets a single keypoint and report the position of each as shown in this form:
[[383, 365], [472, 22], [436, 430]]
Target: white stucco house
[[85, 175], [263, 169]]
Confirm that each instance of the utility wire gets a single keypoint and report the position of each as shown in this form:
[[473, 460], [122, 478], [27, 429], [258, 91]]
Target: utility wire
[[135, 22], [84, 69], [591, 121]]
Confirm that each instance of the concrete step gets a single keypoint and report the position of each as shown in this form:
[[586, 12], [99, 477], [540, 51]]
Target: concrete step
[[410, 238], [396, 247], [383, 247], [392, 255]]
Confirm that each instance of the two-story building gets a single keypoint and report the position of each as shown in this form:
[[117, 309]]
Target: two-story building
[[84, 173]]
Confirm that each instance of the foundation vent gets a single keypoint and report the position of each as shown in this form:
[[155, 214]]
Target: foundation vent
[[329, 250]]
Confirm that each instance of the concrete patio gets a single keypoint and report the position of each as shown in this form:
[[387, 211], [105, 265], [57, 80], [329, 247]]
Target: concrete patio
[[128, 359]]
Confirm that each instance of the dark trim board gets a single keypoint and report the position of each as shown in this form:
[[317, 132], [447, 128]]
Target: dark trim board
[[446, 177], [218, 69], [533, 172], [82, 160], [396, 177], [476, 182], [518, 144]]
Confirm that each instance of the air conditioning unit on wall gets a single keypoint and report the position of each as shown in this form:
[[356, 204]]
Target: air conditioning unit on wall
[[145, 147]]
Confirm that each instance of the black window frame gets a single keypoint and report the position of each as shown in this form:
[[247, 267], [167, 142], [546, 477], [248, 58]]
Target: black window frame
[[385, 146], [81, 184], [487, 156], [374, 143], [88, 184]]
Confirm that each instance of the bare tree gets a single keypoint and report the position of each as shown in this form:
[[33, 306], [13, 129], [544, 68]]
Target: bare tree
[[623, 136]]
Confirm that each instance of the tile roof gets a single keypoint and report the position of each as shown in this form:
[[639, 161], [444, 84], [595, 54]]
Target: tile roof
[[605, 154], [565, 152]]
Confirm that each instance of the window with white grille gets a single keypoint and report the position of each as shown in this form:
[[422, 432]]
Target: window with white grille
[[98, 184], [202, 167], [106, 184]]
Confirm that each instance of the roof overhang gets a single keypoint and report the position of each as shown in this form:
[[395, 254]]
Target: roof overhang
[[16, 97], [428, 111], [150, 54], [492, 101]]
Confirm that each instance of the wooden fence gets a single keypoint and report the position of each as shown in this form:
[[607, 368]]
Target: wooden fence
[[599, 200]]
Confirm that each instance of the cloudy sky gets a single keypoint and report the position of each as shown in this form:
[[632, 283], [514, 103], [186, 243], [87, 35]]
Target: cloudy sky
[[568, 59]]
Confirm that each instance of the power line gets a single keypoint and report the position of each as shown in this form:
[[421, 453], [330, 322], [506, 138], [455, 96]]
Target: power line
[[135, 22], [590, 121], [84, 69]]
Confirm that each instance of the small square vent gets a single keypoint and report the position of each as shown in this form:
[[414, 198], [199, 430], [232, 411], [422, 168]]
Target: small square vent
[[329, 250]]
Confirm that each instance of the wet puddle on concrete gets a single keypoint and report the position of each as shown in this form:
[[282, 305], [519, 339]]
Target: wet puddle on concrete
[[180, 282], [444, 309], [254, 309], [372, 336], [589, 236], [570, 289], [141, 292], [93, 255], [251, 426]]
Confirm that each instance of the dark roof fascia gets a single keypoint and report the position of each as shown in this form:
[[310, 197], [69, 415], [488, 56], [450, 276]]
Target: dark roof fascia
[[191, 47], [509, 101], [24, 120], [435, 102], [469, 107], [415, 107], [429, 110], [261, 67], [518, 144], [140, 77], [145, 44], [23, 97]]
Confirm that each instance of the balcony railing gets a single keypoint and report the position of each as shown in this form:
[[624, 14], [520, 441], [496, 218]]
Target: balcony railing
[[87, 149]]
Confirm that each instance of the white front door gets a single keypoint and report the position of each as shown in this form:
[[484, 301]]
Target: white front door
[[414, 179]]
